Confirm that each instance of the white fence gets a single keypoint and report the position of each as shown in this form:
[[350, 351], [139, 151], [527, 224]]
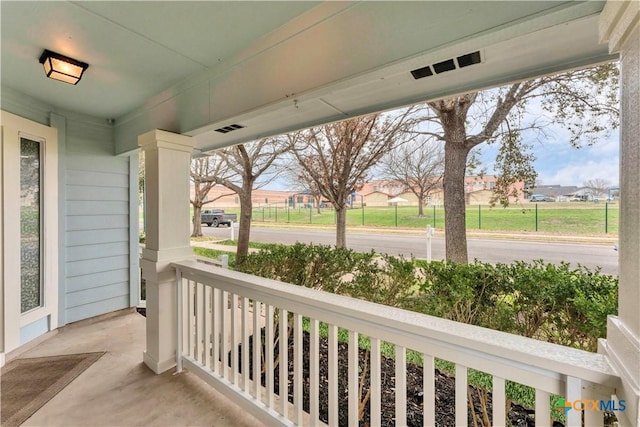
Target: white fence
[[219, 311]]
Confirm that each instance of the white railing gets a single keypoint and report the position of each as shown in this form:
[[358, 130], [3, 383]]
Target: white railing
[[219, 311]]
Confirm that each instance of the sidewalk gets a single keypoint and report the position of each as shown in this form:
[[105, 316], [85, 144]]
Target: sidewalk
[[213, 245]]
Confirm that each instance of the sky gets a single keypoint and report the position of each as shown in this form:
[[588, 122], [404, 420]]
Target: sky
[[558, 163]]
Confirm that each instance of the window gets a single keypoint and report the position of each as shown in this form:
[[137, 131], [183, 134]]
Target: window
[[30, 226]]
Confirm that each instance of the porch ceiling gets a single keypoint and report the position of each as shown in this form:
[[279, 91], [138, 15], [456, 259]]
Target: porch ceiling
[[134, 49], [272, 67]]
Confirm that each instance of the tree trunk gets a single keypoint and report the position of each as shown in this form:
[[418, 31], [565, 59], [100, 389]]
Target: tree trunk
[[244, 231], [318, 199], [341, 227], [197, 226], [420, 206], [455, 162]]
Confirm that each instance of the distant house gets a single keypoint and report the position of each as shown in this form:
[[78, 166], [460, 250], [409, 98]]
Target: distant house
[[479, 197], [479, 190], [376, 198], [392, 188], [260, 197]]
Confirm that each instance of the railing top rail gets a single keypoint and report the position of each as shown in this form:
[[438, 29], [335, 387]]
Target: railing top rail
[[407, 325]]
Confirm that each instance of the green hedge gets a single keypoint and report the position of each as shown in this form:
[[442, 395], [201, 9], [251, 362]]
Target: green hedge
[[538, 300]]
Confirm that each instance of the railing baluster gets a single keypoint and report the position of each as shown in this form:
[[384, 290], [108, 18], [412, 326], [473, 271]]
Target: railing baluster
[[297, 368], [192, 317], [333, 375], [353, 365], [245, 344], [543, 415], [573, 392], [180, 325], [200, 310], [428, 391], [269, 353], [283, 354], [257, 348], [224, 311], [461, 395], [498, 398], [216, 319], [235, 329], [375, 383], [401, 386], [593, 418], [208, 336], [184, 289], [314, 370]]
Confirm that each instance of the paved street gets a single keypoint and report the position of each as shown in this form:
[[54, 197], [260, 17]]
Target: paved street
[[489, 250]]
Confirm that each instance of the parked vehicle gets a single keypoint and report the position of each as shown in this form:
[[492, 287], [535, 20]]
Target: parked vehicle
[[541, 198], [215, 217]]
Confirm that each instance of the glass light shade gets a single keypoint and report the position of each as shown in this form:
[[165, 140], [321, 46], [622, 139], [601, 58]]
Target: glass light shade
[[60, 67]]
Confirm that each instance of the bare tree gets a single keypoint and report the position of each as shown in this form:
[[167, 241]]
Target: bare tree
[[338, 156], [301, 181], [249, 166], [582, 101], [418, 166], [204, 171], [597, 185]]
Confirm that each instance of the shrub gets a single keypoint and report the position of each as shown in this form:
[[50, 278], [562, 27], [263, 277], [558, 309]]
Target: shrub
[[312, 266], [539, 300], [544, 301]]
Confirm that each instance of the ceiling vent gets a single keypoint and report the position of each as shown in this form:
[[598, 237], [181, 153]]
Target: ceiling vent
[[444, 66], [419, 73], [468, 59], [448, 65], [229, 128]]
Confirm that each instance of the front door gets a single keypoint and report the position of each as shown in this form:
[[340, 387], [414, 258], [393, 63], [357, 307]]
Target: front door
[[29, 230]]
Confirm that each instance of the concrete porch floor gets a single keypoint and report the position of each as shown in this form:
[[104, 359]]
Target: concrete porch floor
[[119, 390]]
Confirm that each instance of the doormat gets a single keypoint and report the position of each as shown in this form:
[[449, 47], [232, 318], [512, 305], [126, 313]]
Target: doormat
[[27, 384]]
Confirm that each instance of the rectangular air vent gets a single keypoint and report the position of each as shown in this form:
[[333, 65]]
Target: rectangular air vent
[[469, 59], [448, 65], [420, 73], [229, 128], [444, 66]]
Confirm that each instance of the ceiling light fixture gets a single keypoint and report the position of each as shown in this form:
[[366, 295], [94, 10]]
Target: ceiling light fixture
[[63, 68]]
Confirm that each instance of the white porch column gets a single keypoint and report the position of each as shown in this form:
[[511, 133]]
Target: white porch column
[[619, 27], [167, 165]]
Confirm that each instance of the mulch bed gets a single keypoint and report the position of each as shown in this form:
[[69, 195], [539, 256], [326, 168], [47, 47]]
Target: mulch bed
[[445, 390]]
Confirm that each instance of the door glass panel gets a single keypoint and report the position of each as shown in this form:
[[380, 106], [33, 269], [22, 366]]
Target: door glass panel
[[30, 225]]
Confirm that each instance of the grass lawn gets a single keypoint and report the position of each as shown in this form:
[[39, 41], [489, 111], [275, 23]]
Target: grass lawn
[[568, 218], [575, 218]]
